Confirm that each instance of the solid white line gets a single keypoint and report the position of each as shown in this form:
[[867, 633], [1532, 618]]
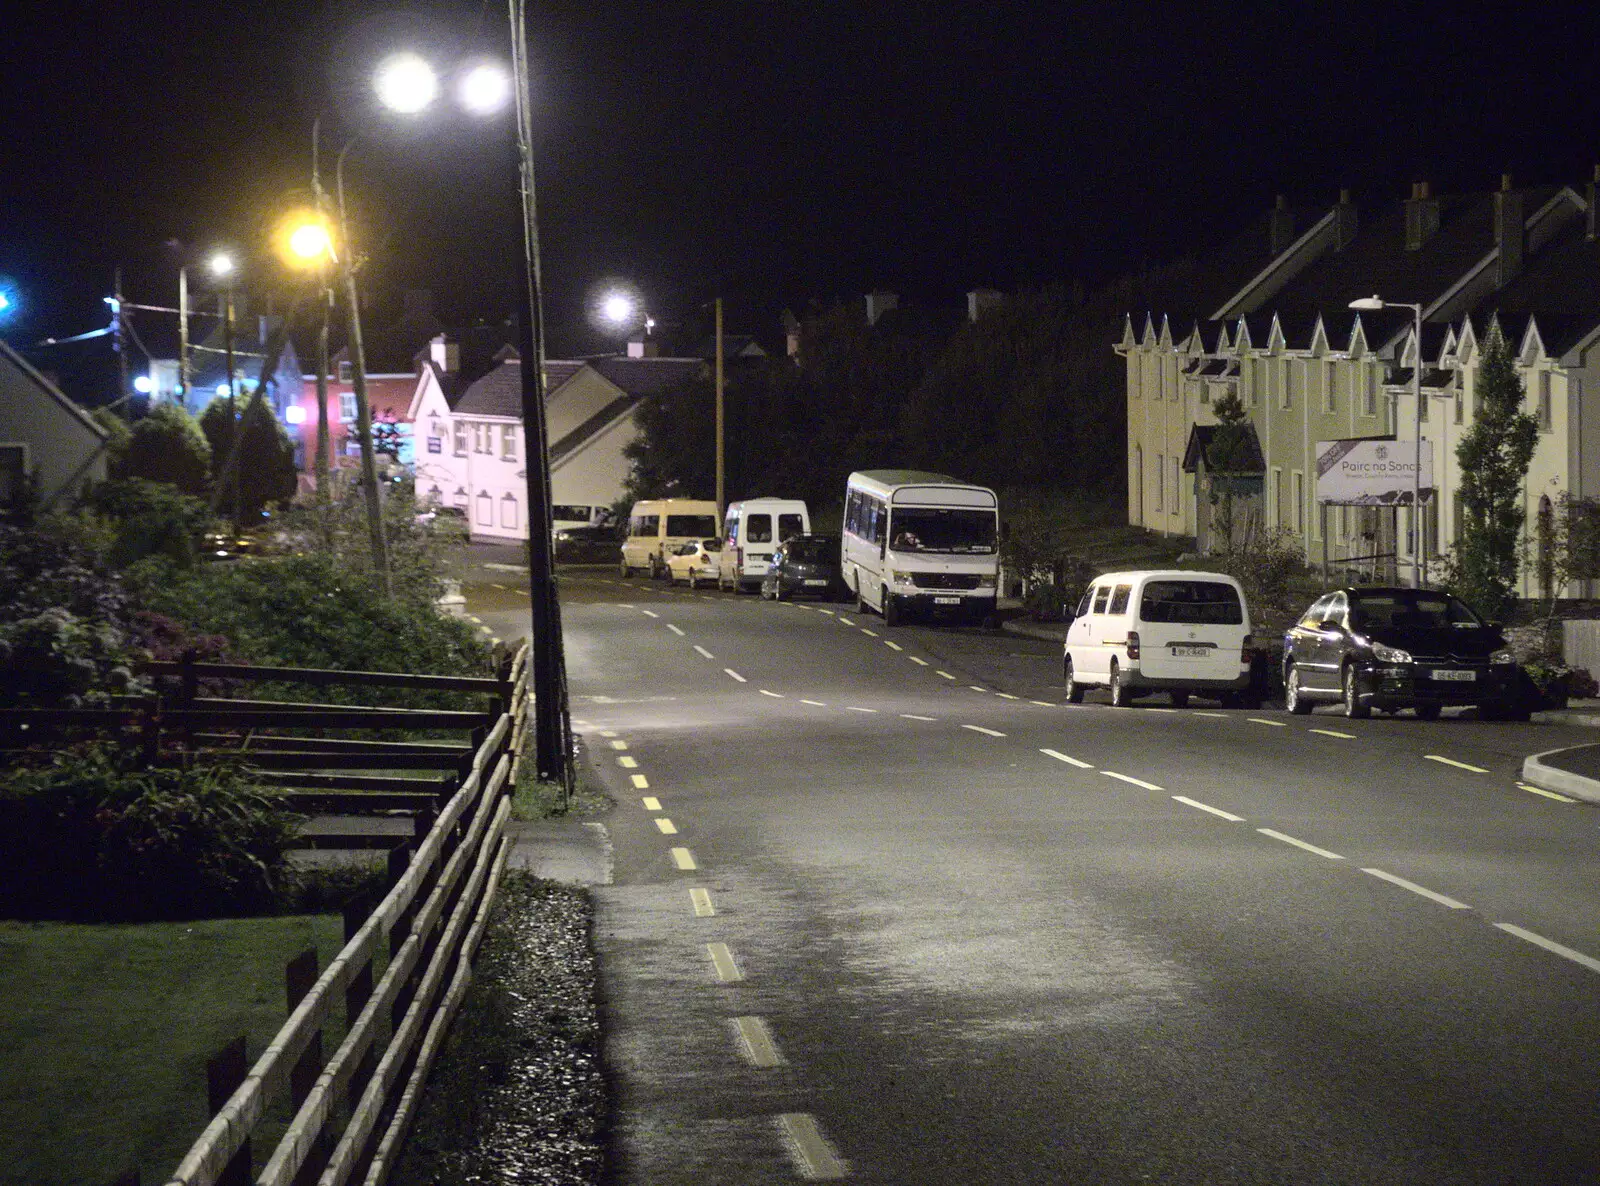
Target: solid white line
[[985, 732], [651, 803], [700, 899], [1333, 733], [911, 716], [944, 674], [736, 675], [893, 646], [722, 960], [1070, 761], [641, 783], [668, 828], [1321, 852], [868, 633], [1549, 945], [1456, 764], [917, 661], [774, 695], [649, 613], [1547, 794], [704, 653], [683, 859], [853, 708], [756, 1042], [1417, 889], [812, 1153], [1138, 782], [815, 703], [674, 629], [1161, 710], [1227, 815], [1264, 721]]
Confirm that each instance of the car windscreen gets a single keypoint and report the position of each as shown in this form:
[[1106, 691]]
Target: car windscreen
[[941, 529], [678, 525], [812, 551], [1208, 603], [1404, 610]]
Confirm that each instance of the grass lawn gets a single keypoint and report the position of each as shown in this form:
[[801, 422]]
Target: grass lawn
[[107, 1030]]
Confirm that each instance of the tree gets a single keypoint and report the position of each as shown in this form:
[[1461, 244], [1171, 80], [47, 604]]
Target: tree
[[166, 446], [1494, 455], [1229, 456], [266, 455]]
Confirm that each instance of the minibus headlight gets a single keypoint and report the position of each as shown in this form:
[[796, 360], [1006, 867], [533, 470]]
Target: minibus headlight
[[985, 583], [901, 578]]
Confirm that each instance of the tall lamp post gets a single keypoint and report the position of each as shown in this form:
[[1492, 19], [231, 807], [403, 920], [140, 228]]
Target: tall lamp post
[[222, 267], [1419, 541]]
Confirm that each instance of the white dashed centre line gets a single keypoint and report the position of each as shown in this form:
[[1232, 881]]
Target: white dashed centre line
[[1219, 715], [700, 899], [1545, 793], [917, 661], [1417, 889], [869, 633], [608, 733], [1007, 696], [985, 732], [674, 629], [1264, 721], [1138, 782], [944, 675], [619, 745], [1551, 946], [722, 960], [641, 783], [1195, 803], [756, 1042], [853, 708], [844, 621], [651, 803], [829, 612], [668, 828], [1068, 759], [976, 688], [1321, 852], [735, 675], [1456, 764], [703, 652], [893, 646], [774, 695], [683, 859], [813, 1155], [911, 716], [649, 613], [1333, 733], [815, 703]]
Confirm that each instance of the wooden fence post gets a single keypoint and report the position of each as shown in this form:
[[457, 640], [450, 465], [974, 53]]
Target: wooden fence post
[[359, 991], [300, 975], [225, 1070]]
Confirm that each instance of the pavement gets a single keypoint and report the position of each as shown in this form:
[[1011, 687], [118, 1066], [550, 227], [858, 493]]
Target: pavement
[[1573, 771]]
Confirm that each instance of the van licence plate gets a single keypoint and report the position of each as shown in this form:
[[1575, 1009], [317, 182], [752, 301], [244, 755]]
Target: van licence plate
[[821, 581], [947, 601], [1185, 652], [1441, 673]]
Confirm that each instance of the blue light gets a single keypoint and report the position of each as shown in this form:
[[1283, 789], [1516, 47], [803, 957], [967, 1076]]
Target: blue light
[[222, 389], [144, 385]]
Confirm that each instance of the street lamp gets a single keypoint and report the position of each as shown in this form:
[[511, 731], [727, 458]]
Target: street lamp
[[1419, 545], [311, 244], [223, 268]]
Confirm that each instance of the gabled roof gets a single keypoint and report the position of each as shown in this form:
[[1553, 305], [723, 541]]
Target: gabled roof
[[51, 391], [1251, 463], [647, 376], [1560, 285]]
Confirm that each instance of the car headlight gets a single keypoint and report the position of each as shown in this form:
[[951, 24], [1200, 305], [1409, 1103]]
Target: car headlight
[[1502, 657], [985, 583], [1385, 654], [901, 578]]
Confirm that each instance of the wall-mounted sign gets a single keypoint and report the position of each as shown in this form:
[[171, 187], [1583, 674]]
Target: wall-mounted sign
[[1365, 472], [435, 445]]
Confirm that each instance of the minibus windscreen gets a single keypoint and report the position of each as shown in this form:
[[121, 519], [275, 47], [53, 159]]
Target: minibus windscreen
[[942, 529]]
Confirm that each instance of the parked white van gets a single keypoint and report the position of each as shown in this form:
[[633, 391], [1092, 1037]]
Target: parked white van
[[751, 530], [659, 527], [1181, 633], [920, 542]]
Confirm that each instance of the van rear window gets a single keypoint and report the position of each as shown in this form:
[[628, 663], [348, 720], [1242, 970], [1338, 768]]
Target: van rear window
[[681, 525], [1206, 602]]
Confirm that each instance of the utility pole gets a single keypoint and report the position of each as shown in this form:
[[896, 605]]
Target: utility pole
[[183, 337], [119, 343], [323, 468], [233, 417], [721, 504]]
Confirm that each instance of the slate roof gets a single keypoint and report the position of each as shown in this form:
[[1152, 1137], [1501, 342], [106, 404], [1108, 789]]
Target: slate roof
[[499, 393], [1200, 437], [1559, 286], [647, 376]]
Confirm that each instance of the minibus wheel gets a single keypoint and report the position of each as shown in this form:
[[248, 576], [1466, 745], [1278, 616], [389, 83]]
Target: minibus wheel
[[891, 611]]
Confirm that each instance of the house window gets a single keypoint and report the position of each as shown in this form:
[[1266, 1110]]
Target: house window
[[346, 374], [1327, 387], [508, 511], [459, 499], [1276, 510], [1299, 486], [1258, 381], [1459, 399], [1161, 479], [347, 406], [1285, 397], [1369, 393], [1177, 502], [13, 473], [460, 439], [1205, 392], [485, 509], [1545, 416], [1422, 407], [508, 442]]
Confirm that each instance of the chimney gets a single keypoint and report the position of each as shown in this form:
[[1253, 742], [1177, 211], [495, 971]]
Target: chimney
[[1280, 231], [791, 334], [981, 300], [1510, 235], [1589, 195], [1344, 222], [879, 303], [1422, 216], [643, 348], [446, 355]]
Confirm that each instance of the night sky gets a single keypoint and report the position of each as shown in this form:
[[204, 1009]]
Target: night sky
[[783, 152]]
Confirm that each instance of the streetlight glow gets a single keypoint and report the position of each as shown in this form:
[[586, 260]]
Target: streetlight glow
[[309, 241], [222, 264], [617, 308], [406, 83], [484, 89]]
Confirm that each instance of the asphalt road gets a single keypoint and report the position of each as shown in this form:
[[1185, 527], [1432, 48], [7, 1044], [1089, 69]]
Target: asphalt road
[[886, 908]]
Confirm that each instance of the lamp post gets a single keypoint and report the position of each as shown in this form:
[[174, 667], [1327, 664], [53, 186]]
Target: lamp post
[[222, 267], [311, 244], [1419, 543]]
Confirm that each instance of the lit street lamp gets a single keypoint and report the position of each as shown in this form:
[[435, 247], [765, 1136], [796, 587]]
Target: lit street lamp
[[1419, 544]]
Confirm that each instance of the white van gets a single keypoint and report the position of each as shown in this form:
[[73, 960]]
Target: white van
[[751, 530], [659, 527], [1181, 633], [920, 542]]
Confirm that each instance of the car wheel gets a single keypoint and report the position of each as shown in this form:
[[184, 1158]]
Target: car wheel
[[1427, 712], [1074, 688], [777, 590], [1180, 700], [1293, 699], [1353, 707], [861, 602], [622, 567], [1119, 690], [891, 611], [694, 579]]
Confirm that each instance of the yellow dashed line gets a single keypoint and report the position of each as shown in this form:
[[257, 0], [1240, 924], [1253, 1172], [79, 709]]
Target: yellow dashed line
[[627, 763], [1333, 733], [1452, 762], [683, 859], [668, 828], [641, 783], [1547, 794], [701, 901], [756, 1042], [1265, 721], [722, 960], [651, 803], [619, 745]]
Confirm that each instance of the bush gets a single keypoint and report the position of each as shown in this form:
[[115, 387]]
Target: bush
[[90, 838], [167, 448], [59, 565], [150, 519], [1266, 565], [58, 660]]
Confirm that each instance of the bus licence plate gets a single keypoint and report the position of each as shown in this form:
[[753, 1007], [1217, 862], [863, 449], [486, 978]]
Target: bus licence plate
[[947, 601]]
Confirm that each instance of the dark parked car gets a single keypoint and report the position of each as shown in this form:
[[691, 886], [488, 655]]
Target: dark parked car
[[587, 545], [805, 564], [1389, 649]]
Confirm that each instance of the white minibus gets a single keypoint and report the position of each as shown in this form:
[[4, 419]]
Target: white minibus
[[916, 542], [751, 530], [659, 527]]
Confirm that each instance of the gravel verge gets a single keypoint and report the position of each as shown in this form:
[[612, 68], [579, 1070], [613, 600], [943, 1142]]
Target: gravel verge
[[517, 1095]]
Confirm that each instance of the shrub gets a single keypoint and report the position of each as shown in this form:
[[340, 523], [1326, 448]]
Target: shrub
[[1265, 565], [59, 565], [166, 447], [150, 519], [90, 838], [58, 660]]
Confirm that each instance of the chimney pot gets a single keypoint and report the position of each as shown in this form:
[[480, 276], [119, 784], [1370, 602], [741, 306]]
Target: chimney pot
[[1505, 183], [1422, 216], [1510, 233], [879, 303], [981, 300], [1344, 197], [1282, 202]]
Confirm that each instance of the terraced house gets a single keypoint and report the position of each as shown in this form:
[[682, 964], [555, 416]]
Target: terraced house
[[1308, 369]]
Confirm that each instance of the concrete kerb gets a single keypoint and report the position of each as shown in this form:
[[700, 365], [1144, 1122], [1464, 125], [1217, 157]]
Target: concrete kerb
[[1536, 773]]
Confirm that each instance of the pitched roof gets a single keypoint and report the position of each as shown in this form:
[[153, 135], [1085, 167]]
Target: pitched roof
[[499, 393], [647, 376], [1250, 462], [1559, 285]]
